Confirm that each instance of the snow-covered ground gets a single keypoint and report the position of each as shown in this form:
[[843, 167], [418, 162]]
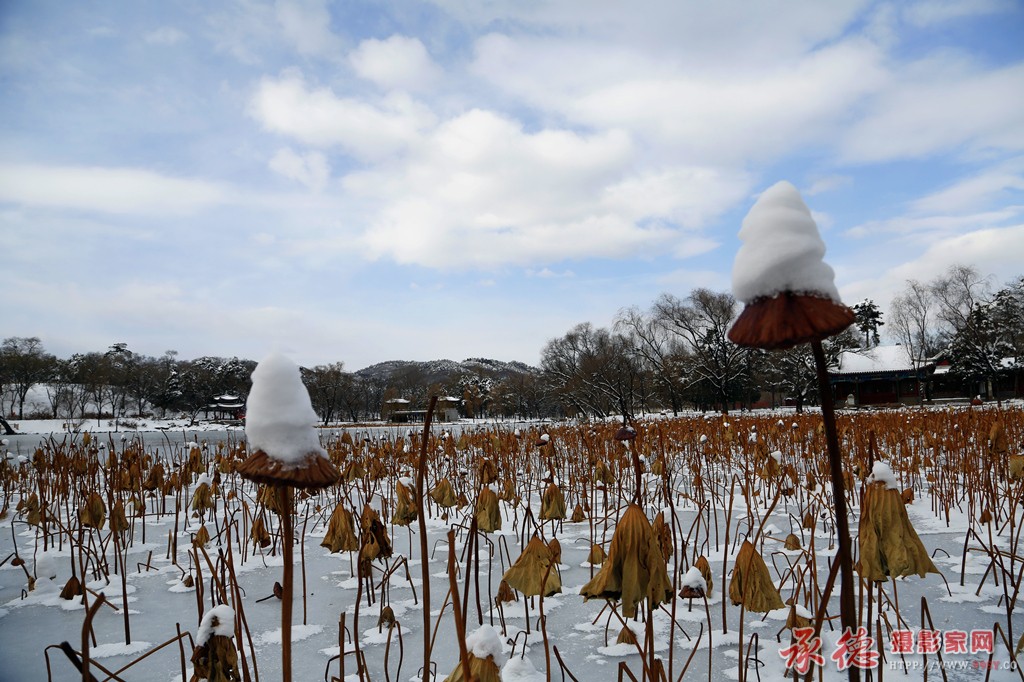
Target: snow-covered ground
[[710, 461]]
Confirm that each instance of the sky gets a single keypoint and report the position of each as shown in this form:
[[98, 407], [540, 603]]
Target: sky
[[365, 181]]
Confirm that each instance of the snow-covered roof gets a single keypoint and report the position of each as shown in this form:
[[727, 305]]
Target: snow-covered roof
[[396, 401], [878, 360]]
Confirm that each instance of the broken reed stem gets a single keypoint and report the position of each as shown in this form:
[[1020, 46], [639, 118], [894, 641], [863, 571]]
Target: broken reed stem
[[847, 608], [421, 474]]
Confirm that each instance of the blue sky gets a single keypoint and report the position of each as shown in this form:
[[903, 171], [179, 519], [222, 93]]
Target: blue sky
[[365, 181]]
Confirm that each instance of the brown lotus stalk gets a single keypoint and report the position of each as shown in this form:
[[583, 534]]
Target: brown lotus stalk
[[791, 299], [286, 454]]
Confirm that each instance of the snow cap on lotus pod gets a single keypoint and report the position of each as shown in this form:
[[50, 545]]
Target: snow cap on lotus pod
[[782, 250], [789, 291]]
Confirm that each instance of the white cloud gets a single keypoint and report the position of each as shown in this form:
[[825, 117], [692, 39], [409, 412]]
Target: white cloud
[[979, 190], [931, 12], [399, 62], [704, 115], [919, 227], [165, 35], [828, 183], [938, 105], [311, 169], [316, 116], [480, 191], [997, 251], [307, 26], [111, 190]]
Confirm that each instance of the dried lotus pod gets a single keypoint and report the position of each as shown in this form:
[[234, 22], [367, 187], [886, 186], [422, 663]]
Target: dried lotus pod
[[792, 542], [311, 472], [789, 319]]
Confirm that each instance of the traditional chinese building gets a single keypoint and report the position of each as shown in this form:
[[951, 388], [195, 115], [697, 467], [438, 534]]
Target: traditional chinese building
[[884, 375]]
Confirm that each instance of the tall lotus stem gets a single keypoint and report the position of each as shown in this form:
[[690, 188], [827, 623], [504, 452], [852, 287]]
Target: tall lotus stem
[[284, 502], [847, 608], [421, 473]]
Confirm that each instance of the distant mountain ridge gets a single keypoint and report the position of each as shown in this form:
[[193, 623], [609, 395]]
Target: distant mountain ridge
[[440, 371]]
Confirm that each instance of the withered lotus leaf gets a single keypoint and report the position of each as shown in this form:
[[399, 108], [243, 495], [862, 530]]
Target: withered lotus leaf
[[634, 569], [534, 572], [751, 583], [341, 531], [488, 513], [443, 494], [552, 505], [405, 506], [888, 542]]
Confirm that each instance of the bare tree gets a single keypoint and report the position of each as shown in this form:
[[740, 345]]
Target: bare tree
[[658, 350], [701, 322], [23, 364], [914, 321]]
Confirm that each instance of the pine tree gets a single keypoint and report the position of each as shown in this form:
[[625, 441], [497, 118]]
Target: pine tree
[[869, 319]]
